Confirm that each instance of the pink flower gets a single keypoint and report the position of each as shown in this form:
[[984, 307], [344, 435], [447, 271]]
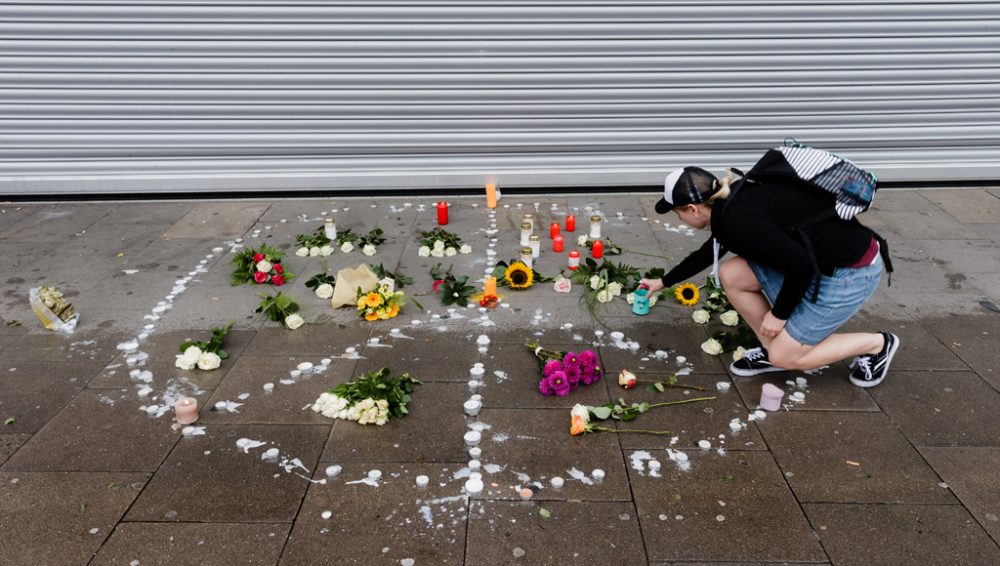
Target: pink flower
[[260, 277], [588, 357], [574, 376], [559, 383], [544, 388], [437, 284], [562, 285], [551, 366]]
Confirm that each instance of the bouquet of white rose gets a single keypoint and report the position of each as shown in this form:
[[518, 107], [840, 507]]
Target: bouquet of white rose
[[372, 398], [204, 355]]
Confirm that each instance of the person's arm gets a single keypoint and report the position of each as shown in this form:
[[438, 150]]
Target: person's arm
[[696, 262]]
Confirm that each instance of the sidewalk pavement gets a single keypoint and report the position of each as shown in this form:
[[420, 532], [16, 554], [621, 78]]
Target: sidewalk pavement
[[904, 473]]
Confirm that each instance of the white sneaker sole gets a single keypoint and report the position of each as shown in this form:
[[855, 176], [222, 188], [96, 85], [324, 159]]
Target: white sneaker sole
[[752, 372], [885, 372]]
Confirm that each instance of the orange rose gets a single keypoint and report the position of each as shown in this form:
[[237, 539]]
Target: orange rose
[[578, 426]]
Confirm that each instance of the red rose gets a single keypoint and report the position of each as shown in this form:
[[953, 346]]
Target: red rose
[[257, 257], [277, 268], [437, 284], [260, 277], [278, 280]]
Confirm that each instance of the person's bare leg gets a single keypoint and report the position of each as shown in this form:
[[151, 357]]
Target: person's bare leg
[[745, 294], [788, 353]]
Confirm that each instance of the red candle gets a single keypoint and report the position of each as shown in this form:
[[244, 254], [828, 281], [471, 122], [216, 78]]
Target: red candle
[[574, 260], [557, 243], [597, 250], [442, 213], [570, 223], [553, 230]]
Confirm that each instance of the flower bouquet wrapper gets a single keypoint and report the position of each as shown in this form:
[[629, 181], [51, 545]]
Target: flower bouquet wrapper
[[348, 281], [55, 312]]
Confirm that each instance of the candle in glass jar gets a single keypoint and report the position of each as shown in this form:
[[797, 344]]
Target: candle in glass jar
[[597, 249], [526, 256], [553, 230], [570, 223], [330, 229], [442, 209], [557, 243], [525, 233], [530, 219], [535, 243], [491, 195], [490, 286], [186, 409], [574, 259], [595, 227]]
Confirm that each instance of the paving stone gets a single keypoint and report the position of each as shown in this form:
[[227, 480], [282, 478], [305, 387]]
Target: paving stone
[[209, 479], [971, 474], [690, 423], [918, 349], [517, 384], [743, 563], [61, 517], [969, 206], [324, 341], [973, 339], [98, 431], [284, 405], [54, 222], [732, 507], [194, 544], [503, 532], [902, 200], [85, 348], [925, 225], [815, 450], [9, 443], [678, 340], [435, 407], [217, 220], [163, 213], [961, 256], [421, 355], [388, 523], [162, 349], [942, 408], [33, 392], [825, 390], [535, 445], [901, 534]]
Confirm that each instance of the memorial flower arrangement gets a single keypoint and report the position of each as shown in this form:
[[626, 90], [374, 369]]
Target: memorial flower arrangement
[[563, 372], [441, 243], [347, 240], [737, 337], [603, 282], [322, 284], [582, 416], [454, 290], [313, 245], [260, 266], [517, 275], [489, 301], [204, 355], [381, 303], [372, 398], [398, 278], [282, 309]]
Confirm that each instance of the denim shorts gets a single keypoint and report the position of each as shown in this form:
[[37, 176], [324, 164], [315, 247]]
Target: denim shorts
[[841, 295]]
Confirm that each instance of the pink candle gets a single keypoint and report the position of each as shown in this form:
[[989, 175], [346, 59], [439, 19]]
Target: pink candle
[[187, 410], [770, 397]]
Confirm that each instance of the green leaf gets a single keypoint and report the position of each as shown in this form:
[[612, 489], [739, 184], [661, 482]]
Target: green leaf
[[727, 477], [9, 421], [659, 386], [650, 389], [600, 413], [544, 512]]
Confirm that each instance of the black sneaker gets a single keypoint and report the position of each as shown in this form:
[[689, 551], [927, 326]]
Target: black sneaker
[[869, 370], [753, 362]]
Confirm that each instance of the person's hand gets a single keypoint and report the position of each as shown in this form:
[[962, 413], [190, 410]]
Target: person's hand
[[771, 326], [653, 285]]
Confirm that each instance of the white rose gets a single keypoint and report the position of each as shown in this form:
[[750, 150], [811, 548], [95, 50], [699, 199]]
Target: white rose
[[329, 413], [581, 241], [711, 347], [367, 403], [347, 247], [209, 360], [730, 318], [324, 291], [465, 249], [382, 404], [389, 283], [184, 363], [738, 353], [615, 288], [595, 281], [437, 253], [326, 250], [424, 251], [603, 296], [630, 298], [294, 321], [439, 245], [381, 421], [368, 249], [580, 411], [700, 316], [314, 251], [264, 265], [354, 413], [450, 252], [192, 354], [302, 252], [653, 299]]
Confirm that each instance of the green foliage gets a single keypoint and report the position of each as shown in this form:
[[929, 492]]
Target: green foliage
[[454, 290], [317, 239], [214, 344], [278, 306], [245, 266], [372, 238], [380, 385], [319, 279], [399, 277], [427, 238]]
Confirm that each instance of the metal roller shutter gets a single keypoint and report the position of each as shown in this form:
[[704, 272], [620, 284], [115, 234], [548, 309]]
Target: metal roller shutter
[[130, 96]]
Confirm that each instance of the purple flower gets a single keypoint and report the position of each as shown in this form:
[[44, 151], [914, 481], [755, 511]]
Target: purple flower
[[588, 357], [551, 366], [573, 375], [589, 376], [571, 359], [559, 383], [544, 388]]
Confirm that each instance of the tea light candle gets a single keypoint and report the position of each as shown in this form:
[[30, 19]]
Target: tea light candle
[[374, 474], [490, 286], [474, 384], [570, 223], [475, 452], [553, 230], [525, 233], [270, 454], [422, 481], [557, 243], [483, 340], [472, 407], [770, 397], [557, 482], [475, 465], [595, 227], [473, 437], [597, 474], [473, 486], [186, 409], [333, 471], [330, 228], [535, 243], [526, 493]]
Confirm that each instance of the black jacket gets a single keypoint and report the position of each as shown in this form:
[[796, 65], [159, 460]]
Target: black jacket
[[757, 225]]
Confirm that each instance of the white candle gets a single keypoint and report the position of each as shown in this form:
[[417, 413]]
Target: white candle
[[770, 397], [473, 437], [472, 407], [422, 481], [597, 474], [557, 482]]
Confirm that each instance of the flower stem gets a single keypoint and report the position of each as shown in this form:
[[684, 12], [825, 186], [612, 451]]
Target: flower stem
[[674, 385], [606, 429], [681, 402]]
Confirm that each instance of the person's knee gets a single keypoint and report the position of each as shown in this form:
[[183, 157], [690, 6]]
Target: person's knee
[[784, 358], [736, 275]]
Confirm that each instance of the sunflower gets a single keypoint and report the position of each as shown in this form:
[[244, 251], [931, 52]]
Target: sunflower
[[687, 294], [373, 299], [518, 276]]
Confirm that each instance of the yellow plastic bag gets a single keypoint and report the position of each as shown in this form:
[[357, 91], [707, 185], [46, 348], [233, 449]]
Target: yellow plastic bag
[[345, 292], [55, 312]]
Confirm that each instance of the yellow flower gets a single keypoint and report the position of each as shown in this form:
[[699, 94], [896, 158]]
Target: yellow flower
[[393, 310], [361, 302], [518, 276], [370, 316], [687, 294], [373, 299]]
